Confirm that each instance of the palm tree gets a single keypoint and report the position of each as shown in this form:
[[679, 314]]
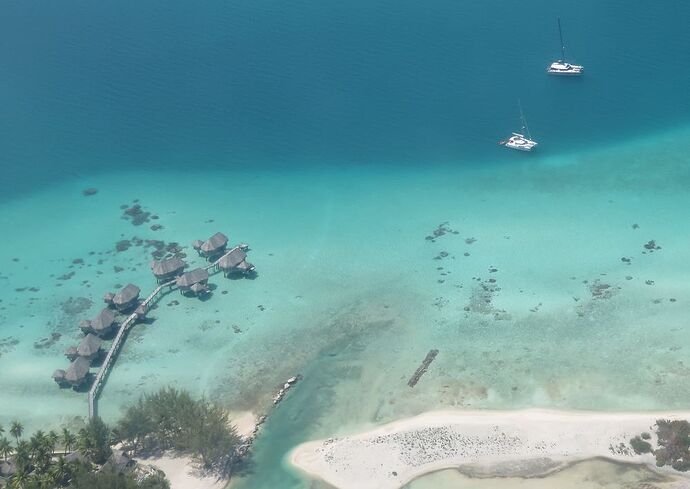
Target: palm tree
[[68, 439], [22, 458], [19, 480], [37, 442], [61, 471], [52, 439], [16, 430], [5, 448], [45, 480], [85, 443]]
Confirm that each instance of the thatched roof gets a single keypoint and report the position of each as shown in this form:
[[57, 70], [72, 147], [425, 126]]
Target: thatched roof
[[167, 267], [71, 352], [214, 243], [119, 461], [7, 468], [108, 297], [89, 346], [192, 277], [103, 321], [245, 267], [77, 371], [141, 310], [196, 244], [198, 288], [75, 456], [85, 325], [129, 293], [59, 375], [232, 259]]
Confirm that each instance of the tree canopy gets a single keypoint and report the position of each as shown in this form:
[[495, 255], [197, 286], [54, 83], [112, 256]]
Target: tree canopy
[[171, 419]]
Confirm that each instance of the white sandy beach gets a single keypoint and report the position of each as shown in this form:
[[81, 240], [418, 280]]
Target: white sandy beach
[[183, 473], [479, 443]]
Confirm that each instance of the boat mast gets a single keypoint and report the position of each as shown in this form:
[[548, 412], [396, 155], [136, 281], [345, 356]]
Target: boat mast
[[524, 121], [560, 33]]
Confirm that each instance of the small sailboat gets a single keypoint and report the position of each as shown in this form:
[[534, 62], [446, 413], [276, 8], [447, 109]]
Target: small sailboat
[[562, 67], [518, 141]]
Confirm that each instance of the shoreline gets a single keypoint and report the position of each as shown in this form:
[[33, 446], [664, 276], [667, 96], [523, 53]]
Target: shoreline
[[184, 473], [482, 444]]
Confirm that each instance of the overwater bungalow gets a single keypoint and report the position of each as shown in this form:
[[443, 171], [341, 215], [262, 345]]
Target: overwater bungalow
[[191, 278], [235, 262], [101, 325], [196, 244], [200, 289], [141, 311], [77, 372], [214, 246], [90, 347], [71, 352], [127, 298], [59, 376], [166, 270]]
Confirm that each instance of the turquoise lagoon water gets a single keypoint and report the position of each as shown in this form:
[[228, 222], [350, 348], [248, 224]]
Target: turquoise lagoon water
[[334, 139]]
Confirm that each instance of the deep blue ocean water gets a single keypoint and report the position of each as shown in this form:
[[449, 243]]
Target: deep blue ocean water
[[93, 86]]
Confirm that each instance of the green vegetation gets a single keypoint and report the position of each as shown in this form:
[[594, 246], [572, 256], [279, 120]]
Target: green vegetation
[[674, 444], [167, 419], [94, 441], [35, 465], [673, 439], [171, 419], [640, 446], [110, 479]]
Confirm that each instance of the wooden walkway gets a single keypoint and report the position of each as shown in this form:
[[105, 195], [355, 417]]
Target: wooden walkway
[[110, 357]]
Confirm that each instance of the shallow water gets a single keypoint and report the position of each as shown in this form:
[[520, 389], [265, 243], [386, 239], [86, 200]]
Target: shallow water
[[334, 138], [595, 474]]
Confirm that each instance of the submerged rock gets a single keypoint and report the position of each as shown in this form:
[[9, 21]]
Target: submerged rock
[[75, 305]]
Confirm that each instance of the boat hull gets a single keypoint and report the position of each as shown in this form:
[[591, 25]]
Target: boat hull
[[564, 69], [519, 142]]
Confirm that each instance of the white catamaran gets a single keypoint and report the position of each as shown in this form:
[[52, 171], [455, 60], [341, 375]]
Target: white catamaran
[[562, 67], [520, 142]]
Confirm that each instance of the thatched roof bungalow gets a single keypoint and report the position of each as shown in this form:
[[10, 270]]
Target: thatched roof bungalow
[[75, 456], [199, 289], [101, 324], [188, 279], [85, 326], [141, 311], [90, 347], [118, 461], [168, 269], [214, 246], [108, 297], [245, 268], [71, 352], [7, 468], [127, 297], [235, 262], [59, 376], [77, 372]]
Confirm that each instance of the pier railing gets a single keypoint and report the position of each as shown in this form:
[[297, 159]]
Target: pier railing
[[110, 357]]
